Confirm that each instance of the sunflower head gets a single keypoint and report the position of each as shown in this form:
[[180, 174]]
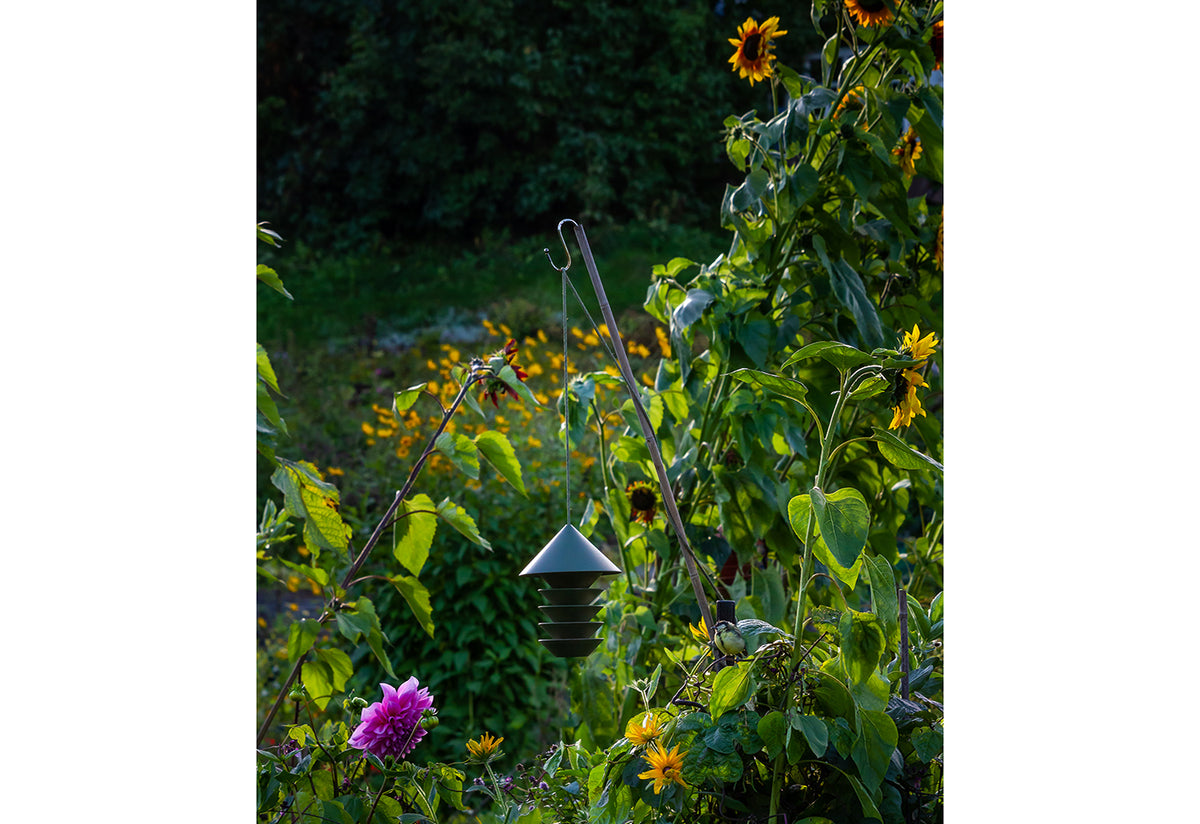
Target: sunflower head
[[699, 632], [908, 151], [915, 347], [755, 43], [643, 501], [869, 12], [935, 43]]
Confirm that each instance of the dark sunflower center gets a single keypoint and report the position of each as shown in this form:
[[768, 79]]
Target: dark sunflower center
[[871, 5], [751, 48], [642, 499]]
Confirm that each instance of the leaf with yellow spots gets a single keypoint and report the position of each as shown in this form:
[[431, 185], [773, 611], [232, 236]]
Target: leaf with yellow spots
[[306, 496]]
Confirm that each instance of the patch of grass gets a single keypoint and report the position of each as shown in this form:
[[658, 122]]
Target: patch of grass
[[360, 300]]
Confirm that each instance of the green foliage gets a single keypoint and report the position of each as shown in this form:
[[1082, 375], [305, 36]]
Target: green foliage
[[797, 408], [427, 117]]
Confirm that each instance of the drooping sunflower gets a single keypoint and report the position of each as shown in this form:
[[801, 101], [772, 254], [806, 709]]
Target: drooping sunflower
[[665, 767], [936, 43], [754, 43], [905, 403], [908, 151], [852, 101], [915, 347], [869, 12], [643, 501]]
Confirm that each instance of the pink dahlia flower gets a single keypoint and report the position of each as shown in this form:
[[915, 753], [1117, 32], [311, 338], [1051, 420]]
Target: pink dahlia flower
[[393, 725]]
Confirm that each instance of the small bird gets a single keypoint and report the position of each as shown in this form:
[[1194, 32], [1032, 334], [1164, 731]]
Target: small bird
[[728, 639]]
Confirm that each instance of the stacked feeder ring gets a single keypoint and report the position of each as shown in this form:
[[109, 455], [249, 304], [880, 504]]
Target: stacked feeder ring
[[569, 565]]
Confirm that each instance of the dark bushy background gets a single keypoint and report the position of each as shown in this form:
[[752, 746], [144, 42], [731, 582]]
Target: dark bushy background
[[391, 120]]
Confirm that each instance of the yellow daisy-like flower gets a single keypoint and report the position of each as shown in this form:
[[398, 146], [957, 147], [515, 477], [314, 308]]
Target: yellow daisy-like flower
[[754, 44], [869, 12], [908, 151], [907, 409], [644, 732], [664, 343], [665, 767], [485, 748], [700, 633]]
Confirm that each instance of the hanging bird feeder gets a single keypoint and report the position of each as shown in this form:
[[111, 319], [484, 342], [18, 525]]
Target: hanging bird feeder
[[570, 563]]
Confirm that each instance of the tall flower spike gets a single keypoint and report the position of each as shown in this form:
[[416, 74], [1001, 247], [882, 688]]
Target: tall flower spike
[[754, 43]]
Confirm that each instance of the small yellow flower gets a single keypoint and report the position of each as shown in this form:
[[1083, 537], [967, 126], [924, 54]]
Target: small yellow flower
[[507, 332], [699, 632], [534, 442], [384, 432], [367, 428], [869, 12], [663, 342], [644, 732], [486, 748], [754, 44], [333, 470], [665, 767], [542, 337]]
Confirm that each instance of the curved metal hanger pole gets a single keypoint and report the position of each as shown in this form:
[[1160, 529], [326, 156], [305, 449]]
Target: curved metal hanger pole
[[689, 557]]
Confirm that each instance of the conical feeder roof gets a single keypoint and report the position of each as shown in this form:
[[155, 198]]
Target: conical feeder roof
[[570, 560]]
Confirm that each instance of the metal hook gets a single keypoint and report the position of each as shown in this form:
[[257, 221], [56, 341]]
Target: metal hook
[[566, 249]]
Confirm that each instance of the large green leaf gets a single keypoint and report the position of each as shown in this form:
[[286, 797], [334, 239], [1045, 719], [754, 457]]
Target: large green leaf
[[842, 355], [772, 729], [417, 598], [900, 454], [499, 452], [306, 496], [416, 525], [405, 398], [339, 666], [862, 644], [885, 603], [873, 748], [814, 730], [301, 636], [798, 510], [268, 276], [844, 520], [732, 686], [786, 387], [318, 682], [458, 518], [461, 451]]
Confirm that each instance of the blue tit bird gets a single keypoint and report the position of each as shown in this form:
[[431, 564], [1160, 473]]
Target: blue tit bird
[[728, 639]]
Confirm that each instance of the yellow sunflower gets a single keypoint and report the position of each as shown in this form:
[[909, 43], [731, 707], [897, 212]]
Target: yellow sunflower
[[906, 405], [869, 12], [908, 151], [700, 633], [915, 347], [643, 501], [644, 732], [754, 44], [665, 767]]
